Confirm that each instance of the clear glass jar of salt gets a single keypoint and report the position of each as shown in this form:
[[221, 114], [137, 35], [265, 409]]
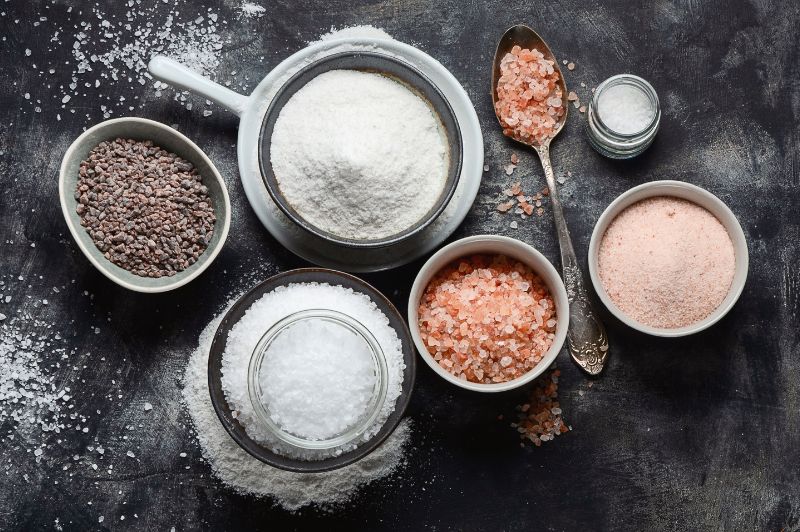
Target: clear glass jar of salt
[[317, 381], [623, 116]]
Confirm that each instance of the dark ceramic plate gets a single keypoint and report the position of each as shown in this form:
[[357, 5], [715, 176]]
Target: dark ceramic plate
[[307, 275], [365, 62]]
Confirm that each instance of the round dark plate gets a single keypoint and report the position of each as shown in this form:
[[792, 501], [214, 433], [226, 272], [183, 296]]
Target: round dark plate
[[307, 275], [365, 62]]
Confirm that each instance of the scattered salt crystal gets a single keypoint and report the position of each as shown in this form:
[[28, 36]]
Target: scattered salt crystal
[[513, 224], [27, 52], [130, 454], [38, 452], [148, 407]]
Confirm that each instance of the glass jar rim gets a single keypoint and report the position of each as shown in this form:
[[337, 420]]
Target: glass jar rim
[[373, 408], [614, 136]]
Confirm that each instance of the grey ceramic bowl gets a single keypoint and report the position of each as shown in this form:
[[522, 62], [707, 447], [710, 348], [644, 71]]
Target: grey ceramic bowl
[[171, 140]]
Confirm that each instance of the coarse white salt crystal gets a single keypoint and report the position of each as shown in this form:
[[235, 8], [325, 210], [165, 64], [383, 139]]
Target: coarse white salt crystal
[[66, 98], [130, 454], [148, 407], [275, 306], [27, 52], [38, 452], [318, 379]]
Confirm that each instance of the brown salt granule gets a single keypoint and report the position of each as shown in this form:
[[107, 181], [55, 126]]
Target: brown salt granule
[[487, 318], [666, 262]]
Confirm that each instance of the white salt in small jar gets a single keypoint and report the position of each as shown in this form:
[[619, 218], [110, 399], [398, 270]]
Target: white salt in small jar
[[311, 407], [623, 117]]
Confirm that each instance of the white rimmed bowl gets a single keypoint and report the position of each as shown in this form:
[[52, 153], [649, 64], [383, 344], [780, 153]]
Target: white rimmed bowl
[[700, 197], [171, 140], [491, 245]]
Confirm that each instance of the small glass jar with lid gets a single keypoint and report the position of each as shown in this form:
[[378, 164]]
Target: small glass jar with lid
[[623, 116]]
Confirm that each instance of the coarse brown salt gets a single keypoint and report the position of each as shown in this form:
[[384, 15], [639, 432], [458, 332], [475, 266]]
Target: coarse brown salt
[[666, 262], [487, 318]]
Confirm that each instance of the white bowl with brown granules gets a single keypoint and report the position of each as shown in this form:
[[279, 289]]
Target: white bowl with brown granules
[[144, 203], [668, 258], [488, 313]]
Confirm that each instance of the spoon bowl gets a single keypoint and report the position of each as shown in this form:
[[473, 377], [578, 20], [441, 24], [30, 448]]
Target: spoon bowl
[[523, 36]]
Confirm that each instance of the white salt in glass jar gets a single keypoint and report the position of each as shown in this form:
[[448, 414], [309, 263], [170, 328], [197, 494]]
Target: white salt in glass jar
[[276, 413], [623, 117]]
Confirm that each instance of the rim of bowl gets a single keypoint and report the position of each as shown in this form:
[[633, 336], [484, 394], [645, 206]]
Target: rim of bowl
[[74, 225], [694, 194], [515, 249], [453, 175]]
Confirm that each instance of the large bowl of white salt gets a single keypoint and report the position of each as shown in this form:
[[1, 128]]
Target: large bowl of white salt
[[360, 149]]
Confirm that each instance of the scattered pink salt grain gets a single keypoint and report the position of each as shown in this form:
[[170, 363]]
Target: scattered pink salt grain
[[487, 318], [540, 419], [666, 262], [529, 99]]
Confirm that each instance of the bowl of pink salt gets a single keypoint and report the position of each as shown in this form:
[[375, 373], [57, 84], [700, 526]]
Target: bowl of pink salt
[[668, 258], [488, 313]]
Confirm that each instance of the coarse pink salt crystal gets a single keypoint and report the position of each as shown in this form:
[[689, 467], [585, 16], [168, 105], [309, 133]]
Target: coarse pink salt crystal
[[529, 98], [666, 262], [487, 318]]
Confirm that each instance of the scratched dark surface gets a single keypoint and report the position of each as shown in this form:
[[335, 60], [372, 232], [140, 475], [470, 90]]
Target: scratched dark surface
[[701, 433]]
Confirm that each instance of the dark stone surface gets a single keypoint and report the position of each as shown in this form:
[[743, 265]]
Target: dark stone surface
[[689, 434]]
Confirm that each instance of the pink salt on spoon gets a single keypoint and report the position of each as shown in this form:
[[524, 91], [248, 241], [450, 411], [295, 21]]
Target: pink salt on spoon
[[530, 101]]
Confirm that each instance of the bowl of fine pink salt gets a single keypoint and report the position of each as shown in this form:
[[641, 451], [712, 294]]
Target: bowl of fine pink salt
[[488, 313], [668, 258]]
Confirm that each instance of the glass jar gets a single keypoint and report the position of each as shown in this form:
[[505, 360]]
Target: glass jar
[[635, 95], [373, 408]]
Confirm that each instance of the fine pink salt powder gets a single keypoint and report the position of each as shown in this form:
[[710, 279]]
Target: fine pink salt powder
[[666, 262]]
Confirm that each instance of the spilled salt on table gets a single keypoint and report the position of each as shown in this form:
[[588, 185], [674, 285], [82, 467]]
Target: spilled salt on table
[[666, 262], [248, 475], [487, 318], [318, 401]]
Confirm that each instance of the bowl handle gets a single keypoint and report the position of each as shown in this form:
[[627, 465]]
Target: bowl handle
[[172, 72]]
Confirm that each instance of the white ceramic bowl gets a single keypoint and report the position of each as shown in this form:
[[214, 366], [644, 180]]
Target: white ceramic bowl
[[491, 245], [171, 140], [696, 195]]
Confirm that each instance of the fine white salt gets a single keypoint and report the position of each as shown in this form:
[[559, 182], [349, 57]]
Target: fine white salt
[[278, 304], [359, 155]]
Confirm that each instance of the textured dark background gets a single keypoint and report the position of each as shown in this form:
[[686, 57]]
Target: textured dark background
[[689, 434]]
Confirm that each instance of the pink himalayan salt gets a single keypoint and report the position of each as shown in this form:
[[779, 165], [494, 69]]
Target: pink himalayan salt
[[487, 318], [529, 98], [666, 262]]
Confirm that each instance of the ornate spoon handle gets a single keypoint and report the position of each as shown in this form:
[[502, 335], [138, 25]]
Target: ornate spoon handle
[[586, 337]]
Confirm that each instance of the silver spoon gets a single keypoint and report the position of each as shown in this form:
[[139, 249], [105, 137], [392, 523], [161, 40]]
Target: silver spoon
[[586, 337]]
